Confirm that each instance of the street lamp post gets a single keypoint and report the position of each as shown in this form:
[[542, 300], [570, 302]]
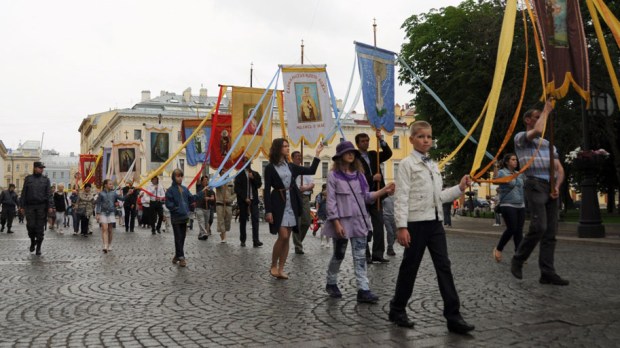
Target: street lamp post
[[590, 222]]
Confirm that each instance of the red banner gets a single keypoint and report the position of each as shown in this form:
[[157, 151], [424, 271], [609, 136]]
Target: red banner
[[564, 43], [221, 142], [87, 165]]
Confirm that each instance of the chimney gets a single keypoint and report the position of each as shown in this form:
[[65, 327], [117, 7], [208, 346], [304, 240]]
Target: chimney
[[146, 96], [203, 95], [187, 95]]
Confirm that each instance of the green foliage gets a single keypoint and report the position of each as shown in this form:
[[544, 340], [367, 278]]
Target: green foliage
[[454, 49]]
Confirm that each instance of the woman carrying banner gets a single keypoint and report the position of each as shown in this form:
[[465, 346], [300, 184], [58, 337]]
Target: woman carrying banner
[[283, 200]]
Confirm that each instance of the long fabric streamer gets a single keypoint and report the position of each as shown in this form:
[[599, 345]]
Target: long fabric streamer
[[456, 122]]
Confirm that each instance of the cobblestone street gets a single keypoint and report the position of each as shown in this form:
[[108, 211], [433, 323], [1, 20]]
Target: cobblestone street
[[74, 295]]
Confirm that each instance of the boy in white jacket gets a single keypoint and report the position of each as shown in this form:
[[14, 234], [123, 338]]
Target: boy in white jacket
[[418, 214]]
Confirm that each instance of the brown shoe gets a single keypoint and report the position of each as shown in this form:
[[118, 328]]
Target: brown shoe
[[183, 263], [175, 260], [497, 255]]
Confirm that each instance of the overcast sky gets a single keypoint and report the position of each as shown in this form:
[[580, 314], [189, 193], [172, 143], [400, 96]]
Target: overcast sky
[[62, 60]]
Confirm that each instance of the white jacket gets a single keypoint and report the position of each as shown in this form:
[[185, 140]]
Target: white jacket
[[418, 191]]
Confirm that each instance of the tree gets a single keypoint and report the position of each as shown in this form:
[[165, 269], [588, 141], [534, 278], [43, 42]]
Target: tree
[[453, 50]]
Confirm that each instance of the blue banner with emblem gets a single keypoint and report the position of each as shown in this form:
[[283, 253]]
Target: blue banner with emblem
[[376, 68]]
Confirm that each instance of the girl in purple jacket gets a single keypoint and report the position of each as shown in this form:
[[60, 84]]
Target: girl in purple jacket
[[347, 218]]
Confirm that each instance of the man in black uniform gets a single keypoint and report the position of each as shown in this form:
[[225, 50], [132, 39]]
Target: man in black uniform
[[37, 201], [8, 199], [247, 184], [374, 176], [130, 206]]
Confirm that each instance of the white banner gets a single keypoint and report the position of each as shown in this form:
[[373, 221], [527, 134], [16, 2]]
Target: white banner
[[307, 103]]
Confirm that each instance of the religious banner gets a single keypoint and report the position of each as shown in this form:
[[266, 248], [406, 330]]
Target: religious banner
[[107, 161], [126, 159], [196, 151], [245, 103], [221, 142], [376, 68], [307, 103], [564, 44], [87, 169]]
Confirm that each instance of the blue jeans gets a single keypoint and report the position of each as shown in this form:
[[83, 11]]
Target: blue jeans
[[358, 249], [179, 230]]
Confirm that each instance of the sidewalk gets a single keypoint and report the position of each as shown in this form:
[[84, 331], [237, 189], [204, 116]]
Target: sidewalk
[[567, 231]]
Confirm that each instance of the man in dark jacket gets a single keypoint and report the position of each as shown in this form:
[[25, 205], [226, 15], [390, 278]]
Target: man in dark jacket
[[8, 199], [247, 184], [129, 205], [37, 202], [374, 176]]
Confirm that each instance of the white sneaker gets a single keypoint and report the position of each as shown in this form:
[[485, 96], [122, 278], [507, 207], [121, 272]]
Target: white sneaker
[[495, 224]]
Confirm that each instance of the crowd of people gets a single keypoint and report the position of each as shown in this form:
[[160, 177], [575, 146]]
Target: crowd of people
[[356, 206]]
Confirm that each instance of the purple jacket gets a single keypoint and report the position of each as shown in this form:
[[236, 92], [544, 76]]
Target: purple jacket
[[341, 204]]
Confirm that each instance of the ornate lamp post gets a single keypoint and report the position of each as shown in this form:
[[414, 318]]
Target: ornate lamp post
[[590, 222]]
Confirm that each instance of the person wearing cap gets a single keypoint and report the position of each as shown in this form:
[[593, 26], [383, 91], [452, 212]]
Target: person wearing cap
[[8, 199], [36, 201], [347, 219], [283, 202]]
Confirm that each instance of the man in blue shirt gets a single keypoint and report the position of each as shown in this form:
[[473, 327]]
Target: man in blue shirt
[[541, 198]]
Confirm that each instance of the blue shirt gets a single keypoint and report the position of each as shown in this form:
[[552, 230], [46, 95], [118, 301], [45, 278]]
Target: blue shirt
[[526, 149]]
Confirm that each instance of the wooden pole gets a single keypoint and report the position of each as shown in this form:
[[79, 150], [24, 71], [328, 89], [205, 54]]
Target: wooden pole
[[551, 151]]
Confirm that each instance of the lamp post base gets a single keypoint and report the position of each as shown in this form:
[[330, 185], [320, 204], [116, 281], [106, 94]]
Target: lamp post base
[[591, 231]]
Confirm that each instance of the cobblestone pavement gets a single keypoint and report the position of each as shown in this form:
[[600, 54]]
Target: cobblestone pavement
[[76, 296]]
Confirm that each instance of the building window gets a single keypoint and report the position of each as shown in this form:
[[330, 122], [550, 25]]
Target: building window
[[17, 167], [396, 142], [8, 168], [306, 164], [324, 169], [137, 134], [179, 136], [16, 182], [395, 169], [62, 175], [53, 175], [182, 164]]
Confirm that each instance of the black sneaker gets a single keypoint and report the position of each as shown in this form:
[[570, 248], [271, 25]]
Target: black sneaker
[[333, 291], [391, 252], [366, 296], [553, 279], [243, 244], [516, 269]]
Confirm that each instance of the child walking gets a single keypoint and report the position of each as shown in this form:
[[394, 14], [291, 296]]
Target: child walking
[[105, 207], [418, 214], [347, 218], [178, 201]]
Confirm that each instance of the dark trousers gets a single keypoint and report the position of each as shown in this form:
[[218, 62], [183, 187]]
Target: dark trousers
[[378, 232], [36, 218], [543, 226], [514, 219], [179, 229], [130, 218], [431, 235], [244, 211], [83, 223], [8, 213], [157, 215], [304, 222], [76, 221]]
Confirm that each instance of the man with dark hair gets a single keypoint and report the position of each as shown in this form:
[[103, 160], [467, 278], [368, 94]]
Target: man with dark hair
[[247, 184], [130, 206], [305, 184], [8, 199], [37, 201], [374, 176], [541, 194]]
